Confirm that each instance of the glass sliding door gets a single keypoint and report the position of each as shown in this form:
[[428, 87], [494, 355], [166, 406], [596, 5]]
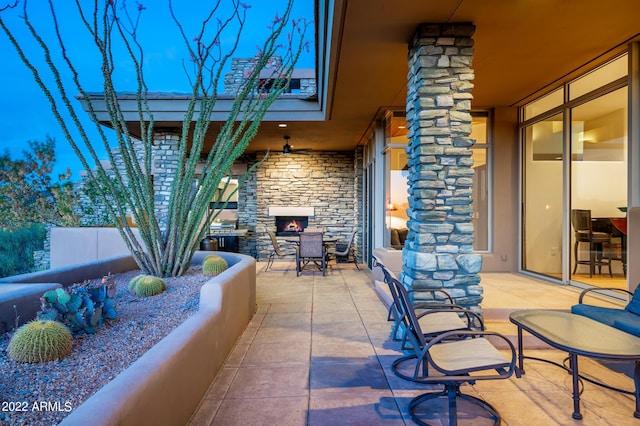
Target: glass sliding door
[[481, 184], [397, 173], [542, 196], [599, 189], [575, 180]]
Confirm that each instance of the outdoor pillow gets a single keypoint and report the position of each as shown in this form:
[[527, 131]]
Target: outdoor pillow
[[634, 304]]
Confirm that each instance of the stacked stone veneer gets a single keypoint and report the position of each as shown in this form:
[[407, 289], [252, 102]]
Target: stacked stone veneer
[[242, 67], [326, 181], [438, 252], [42, 258], [164, 164], [164, 168]]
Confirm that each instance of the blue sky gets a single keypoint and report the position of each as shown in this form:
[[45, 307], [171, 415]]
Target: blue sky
[[25, 113]]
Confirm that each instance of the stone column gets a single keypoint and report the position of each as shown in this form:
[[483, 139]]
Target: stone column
[[164, 166], [438, 252]]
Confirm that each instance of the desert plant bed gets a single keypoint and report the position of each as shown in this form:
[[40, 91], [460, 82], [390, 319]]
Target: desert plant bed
[[45, 393]]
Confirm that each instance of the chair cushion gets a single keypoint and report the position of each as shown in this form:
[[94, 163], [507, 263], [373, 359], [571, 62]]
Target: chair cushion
[[629, 324], [634, 304], [601, 314], [439, 322], [466, 356]]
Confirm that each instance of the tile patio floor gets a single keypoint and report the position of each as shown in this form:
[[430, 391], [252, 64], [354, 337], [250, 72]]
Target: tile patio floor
[[318, 352]]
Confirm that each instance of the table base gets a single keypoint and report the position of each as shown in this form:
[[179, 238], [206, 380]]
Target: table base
[[577, 378]]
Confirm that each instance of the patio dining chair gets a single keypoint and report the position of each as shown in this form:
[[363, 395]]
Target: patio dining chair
[[345, 251], [277, 251], [311, 250]]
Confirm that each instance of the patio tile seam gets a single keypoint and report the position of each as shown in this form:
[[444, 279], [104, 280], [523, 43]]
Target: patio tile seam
[[375, 349], [223, 395], [273, 364], [256, 398]]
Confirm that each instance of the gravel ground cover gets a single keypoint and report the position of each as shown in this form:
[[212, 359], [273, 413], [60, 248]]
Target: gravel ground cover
[[44, 394]]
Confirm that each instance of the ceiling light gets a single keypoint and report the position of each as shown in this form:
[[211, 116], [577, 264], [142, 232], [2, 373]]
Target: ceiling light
[[282, 125], [286, 149]]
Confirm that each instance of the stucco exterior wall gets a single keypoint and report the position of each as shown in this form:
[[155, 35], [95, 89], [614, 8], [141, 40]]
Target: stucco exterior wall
[[71, 246], [503, 252]]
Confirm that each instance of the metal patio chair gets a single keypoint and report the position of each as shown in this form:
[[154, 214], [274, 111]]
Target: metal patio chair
[[346, 251], [311, 249], [277, 251], [437, 299], [469, 360], [453, 354], [432, 318]]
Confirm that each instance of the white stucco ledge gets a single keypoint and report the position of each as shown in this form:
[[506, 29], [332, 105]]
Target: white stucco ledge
[[166, 384]]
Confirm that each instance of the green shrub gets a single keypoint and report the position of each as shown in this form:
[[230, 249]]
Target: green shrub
[[17, 247], [40, 341], [213, 264]]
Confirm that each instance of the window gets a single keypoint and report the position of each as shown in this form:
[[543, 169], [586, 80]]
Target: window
[[397, 173], [265, 86], [544, 104], [584, 165], [397, 196], [480, 194], [611, 71]]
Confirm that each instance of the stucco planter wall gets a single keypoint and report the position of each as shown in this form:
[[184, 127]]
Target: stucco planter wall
[[24, 291], [165, 385]]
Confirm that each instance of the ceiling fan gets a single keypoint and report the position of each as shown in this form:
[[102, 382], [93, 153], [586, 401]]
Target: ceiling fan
[[288, 148]]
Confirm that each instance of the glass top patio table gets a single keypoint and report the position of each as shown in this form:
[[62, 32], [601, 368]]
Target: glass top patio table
[[579, 336]]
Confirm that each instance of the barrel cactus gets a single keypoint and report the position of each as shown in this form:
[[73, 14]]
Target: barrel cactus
[[213, 265], [147, 285], [40, 341], [134, 282]]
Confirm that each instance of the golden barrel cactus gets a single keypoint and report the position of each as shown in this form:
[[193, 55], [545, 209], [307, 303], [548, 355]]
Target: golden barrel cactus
[[40, 341], [213, 264]]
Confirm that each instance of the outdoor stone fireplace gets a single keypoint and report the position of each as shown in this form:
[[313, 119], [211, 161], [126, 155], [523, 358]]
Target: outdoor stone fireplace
[[322, 186], [291, 225], [291, 220]]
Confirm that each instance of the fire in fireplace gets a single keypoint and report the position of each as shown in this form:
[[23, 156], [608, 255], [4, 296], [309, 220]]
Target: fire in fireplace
[[290, 225]]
